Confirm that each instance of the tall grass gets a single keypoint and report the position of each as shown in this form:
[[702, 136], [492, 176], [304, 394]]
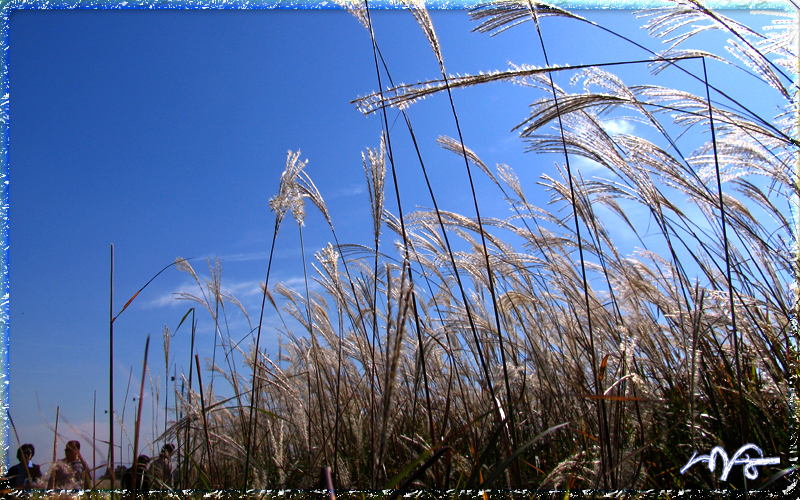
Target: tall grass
[[546, 356]]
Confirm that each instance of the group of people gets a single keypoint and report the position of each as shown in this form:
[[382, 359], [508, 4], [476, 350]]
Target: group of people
[[158, 475], [72, 472]]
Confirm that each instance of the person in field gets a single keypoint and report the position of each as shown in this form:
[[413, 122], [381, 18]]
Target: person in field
[[70, 472], [25, 473], [138, 480], [161, 468]]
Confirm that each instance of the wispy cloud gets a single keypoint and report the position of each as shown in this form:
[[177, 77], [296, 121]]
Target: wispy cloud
[[243, 288], [351, 190], [298, 283], [247, 292], [240, 290], [168, 299], [245, 257]]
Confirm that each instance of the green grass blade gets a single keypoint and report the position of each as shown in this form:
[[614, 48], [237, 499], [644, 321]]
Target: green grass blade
[[778, 475], [502, 467], [396, 493], [396, 479], [490, 445]]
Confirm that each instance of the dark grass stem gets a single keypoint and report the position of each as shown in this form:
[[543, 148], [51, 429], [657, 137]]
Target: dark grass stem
[[166, 339], [52, 481], [205, 419], [138, 423], [599, 404], [511, 436], [404, 235], [467, 307], [111, 376], [314, 345], [187, 441], [723, 220], [94, 438], [255, 386]]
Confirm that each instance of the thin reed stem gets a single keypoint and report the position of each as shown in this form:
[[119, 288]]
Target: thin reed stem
[[205, 420], [138, 423]]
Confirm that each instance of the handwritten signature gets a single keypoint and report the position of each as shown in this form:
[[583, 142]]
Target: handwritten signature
[[750, 464]]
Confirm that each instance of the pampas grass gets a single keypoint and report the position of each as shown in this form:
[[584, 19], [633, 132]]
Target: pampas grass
[[536, 350]]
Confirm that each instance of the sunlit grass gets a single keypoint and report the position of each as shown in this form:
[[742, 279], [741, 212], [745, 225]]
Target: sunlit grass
[[541, 354]]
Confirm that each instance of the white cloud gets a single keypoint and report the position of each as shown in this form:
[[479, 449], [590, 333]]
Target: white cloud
[[298, 283], [618, 126], [168, 299], [584, 164], [243, 288]]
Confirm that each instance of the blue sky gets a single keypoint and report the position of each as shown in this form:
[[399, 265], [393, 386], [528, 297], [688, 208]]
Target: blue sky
[[165, 133]]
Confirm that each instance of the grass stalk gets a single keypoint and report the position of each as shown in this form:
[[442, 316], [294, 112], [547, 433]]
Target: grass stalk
[[111, 376], [723, 221], [599, 405], [205, 420], [138, 423], [94, 438], [187, 441], [52, 481]]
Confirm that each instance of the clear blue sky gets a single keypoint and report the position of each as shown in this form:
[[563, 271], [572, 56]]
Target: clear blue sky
[[165, 133]]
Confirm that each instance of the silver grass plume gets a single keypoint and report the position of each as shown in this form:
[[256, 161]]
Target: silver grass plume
[[420, 13], [165, 338], [375, 170], [403, 95], [214, 285], [780, 39], [665, 22], [183, 265], [328, 257], [357, 8], [233, 300], [501, 15], [309, 190], [745, 46], [290, 196], [456, 147]]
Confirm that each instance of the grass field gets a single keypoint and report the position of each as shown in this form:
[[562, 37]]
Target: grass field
[[531, 351]]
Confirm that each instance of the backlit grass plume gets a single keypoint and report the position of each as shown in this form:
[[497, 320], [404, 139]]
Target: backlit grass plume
[[591, 340]]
